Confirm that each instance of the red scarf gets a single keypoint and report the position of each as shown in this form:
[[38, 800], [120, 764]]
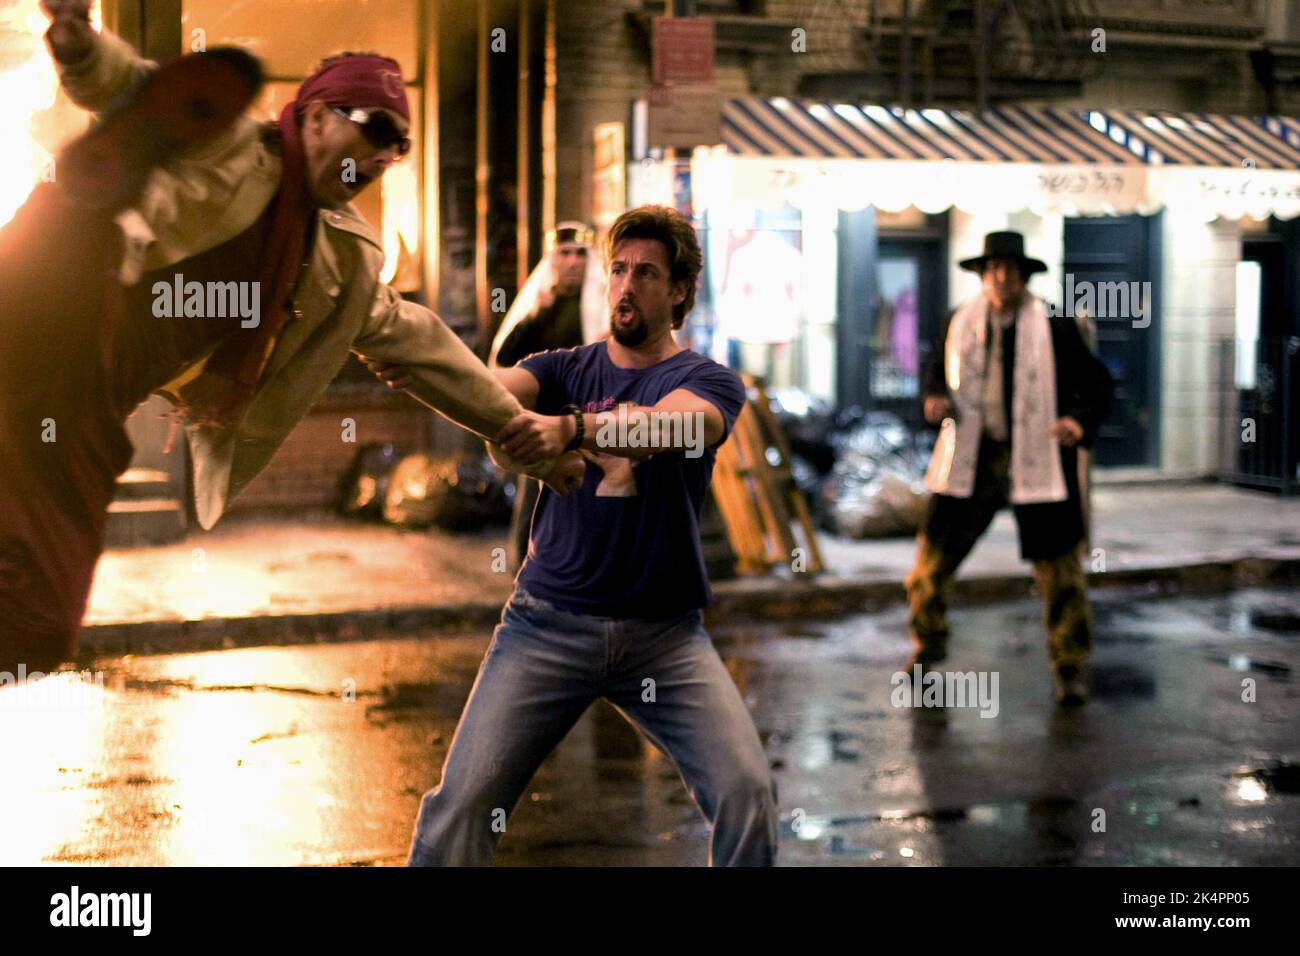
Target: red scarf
[[231, 375], [236, 367]]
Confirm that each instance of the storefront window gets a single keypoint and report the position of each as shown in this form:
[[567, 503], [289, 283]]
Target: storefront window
[[1249, 282], [766, 300], [894, 344], [756, 285]]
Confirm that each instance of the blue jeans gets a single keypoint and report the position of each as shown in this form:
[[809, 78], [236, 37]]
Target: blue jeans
[[544, 668]]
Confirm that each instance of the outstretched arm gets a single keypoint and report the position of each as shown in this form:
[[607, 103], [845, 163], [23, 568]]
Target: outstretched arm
[[521, 384], [446, 376], [96, 69], [680, 421]]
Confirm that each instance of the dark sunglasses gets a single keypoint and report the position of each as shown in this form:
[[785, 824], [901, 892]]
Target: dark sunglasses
[[378, 128]]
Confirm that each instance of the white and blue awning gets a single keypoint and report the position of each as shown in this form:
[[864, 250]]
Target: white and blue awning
[[1283, 127], [1022, 134], [1199, 139], [1040, 158]]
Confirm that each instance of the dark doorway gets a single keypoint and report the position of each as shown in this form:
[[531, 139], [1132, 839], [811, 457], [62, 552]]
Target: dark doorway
[[1111, 270], [904, 324], [893, 286], [1268, 251], [1266, 366]]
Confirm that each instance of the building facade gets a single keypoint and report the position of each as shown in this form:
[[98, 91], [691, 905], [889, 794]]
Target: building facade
[[530, 112], [865, 270]]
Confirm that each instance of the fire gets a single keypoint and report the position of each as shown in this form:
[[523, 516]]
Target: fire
[[401, 225], [34, 120]]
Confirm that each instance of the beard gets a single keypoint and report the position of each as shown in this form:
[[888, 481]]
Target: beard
[[632, 335]]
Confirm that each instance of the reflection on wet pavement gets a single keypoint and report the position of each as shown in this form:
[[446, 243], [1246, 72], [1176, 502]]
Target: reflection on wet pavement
[[318, 754]]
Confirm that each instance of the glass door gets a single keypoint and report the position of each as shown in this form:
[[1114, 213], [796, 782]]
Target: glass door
[[903, 321]]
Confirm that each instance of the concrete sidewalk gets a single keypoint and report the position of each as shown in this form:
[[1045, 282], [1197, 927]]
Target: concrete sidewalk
[[286, 581]]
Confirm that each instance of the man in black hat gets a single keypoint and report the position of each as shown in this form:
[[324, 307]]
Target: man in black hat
[[1016, 393]]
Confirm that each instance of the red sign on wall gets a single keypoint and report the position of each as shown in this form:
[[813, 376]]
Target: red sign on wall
[[682, 49], [685, 116]]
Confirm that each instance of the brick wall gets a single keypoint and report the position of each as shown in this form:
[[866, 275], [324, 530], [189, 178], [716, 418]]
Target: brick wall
[[306, 471], [600, 70], [602, 66]]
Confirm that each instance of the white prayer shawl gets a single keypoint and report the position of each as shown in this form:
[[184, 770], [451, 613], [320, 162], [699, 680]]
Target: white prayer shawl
[[1036, 473], [595, 316]]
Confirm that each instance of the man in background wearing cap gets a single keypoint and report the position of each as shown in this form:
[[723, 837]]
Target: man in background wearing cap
[[177, 185], [1017, 392], [561, 306]]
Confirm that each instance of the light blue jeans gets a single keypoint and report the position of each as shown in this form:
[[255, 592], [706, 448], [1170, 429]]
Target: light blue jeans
[[544, 668]]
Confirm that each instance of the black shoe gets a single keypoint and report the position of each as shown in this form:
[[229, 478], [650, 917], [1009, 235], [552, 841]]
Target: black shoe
[[931, 652], [1071, 685]]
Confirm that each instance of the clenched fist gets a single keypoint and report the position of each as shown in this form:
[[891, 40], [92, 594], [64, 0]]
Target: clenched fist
[[70, 35], [1066, 431], [396, 377], [566, 474], [530, 437], [937, 408]]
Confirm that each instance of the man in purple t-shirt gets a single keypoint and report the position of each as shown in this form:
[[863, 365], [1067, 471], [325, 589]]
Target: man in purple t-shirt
[[609, 600]]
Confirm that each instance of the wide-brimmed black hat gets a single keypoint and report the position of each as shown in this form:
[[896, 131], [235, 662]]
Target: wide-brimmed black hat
[[1005, 245]]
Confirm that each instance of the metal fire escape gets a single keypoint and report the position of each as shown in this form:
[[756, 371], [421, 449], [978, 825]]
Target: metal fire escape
[[963, 53]]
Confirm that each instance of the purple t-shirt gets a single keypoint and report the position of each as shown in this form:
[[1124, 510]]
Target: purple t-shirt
[[627, 544]]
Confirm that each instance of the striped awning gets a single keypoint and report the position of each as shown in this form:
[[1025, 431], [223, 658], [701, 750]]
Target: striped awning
[[1284, 127], [1015, 134], [1012, 134], [1043, 159], [1201, 139]]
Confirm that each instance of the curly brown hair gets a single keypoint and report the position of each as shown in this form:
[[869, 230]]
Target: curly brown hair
[[675, 232]]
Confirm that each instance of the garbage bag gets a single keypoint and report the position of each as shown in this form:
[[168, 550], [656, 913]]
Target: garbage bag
[[806, 477], [365, 483], [456, 494], [877, 487], [807, 421]]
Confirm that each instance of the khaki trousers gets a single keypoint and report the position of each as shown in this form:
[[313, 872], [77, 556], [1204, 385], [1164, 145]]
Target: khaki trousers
[[953, 527]]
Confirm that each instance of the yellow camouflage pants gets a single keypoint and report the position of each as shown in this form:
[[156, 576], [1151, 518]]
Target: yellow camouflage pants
[[953, 528]]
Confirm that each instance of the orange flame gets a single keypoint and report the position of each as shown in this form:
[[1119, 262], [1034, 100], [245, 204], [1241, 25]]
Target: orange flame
[[34, 120]]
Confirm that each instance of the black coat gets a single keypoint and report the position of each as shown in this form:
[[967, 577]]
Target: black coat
[[557, 326], [1084, 390]]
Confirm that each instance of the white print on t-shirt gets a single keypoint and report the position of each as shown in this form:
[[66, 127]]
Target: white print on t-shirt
[[618, 480]]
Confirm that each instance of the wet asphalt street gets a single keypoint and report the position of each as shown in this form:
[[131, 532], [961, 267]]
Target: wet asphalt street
[[318, 754]]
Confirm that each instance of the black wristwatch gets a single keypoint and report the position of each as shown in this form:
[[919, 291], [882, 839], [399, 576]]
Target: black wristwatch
[[581, 427]]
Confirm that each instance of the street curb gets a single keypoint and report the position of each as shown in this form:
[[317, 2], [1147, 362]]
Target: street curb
[[742, 599], [833, 596]]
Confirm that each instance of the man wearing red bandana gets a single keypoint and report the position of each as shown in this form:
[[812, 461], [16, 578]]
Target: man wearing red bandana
[[175, 185]]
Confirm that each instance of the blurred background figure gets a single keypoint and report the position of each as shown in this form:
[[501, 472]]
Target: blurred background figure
[[559, 307], [1017, 391], [761, 305]]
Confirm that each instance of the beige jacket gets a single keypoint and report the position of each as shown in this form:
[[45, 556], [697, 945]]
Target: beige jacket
[[209, 196]]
